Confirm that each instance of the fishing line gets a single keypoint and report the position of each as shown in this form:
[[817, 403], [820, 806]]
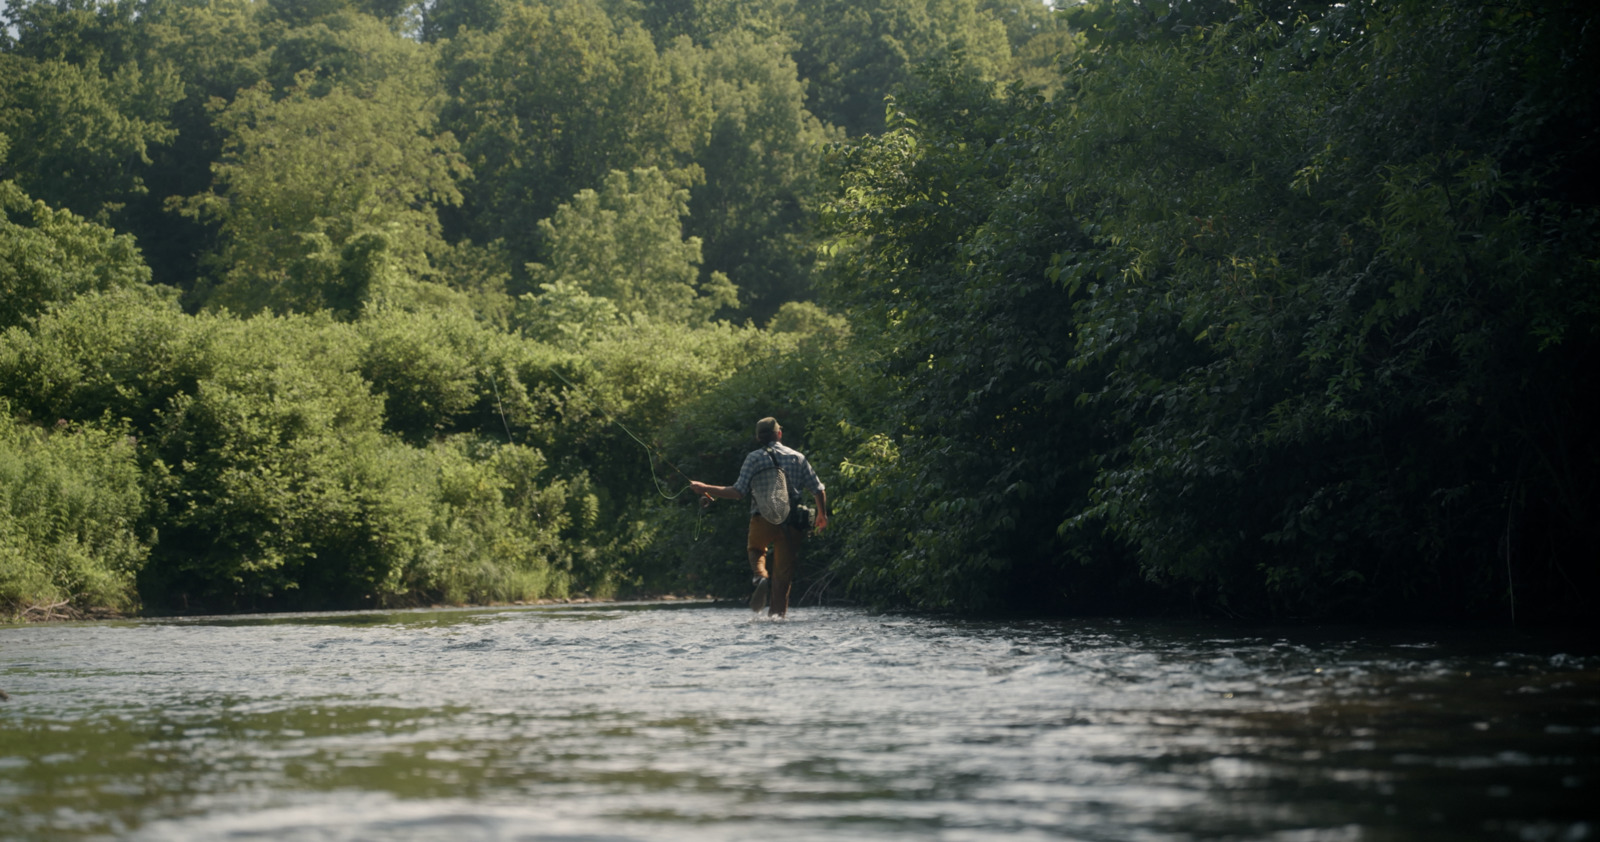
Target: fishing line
[[648, 449], [500, 407], [651, 453]]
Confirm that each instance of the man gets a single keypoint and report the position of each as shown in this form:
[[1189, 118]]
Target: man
[[784, 539]]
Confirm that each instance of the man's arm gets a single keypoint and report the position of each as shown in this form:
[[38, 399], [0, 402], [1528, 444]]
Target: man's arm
[[726, 492], [821, 497]]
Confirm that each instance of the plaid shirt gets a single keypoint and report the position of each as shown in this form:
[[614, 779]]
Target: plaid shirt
[[792, 462]]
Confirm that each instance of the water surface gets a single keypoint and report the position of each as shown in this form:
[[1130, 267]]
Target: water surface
[[693, 722]]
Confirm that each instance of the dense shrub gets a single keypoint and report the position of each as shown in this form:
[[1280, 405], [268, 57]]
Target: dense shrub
[[120, 355], [427, 366], [273, 479], [49, 255], [70, 508], [498, 528]]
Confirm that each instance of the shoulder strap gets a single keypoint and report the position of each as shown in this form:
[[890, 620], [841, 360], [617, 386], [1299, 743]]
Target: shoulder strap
[[788, 484]]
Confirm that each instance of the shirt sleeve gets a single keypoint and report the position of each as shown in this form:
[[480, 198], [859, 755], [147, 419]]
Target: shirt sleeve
[[808, 477], [747, 471]]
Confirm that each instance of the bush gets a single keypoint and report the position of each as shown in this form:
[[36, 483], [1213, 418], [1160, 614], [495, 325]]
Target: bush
[[121, 355], [499, 528], [427, 365], [266, 472], [48, 256], [70, 505]]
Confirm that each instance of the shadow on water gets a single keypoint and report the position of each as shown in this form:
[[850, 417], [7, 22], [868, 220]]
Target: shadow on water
[[694, 721]]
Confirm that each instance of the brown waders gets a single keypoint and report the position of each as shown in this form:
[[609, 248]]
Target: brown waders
[[785, 541]]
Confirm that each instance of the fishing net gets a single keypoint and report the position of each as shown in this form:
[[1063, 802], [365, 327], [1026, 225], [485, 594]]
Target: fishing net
[[770, 488]]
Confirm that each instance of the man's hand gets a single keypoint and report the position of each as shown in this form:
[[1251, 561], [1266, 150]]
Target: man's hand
[[708, 491], [822, 520]]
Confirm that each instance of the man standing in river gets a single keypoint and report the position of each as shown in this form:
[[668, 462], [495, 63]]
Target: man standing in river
[[784, 538]]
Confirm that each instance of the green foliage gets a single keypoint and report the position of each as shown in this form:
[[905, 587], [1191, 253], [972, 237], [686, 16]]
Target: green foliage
[[445, 19], [855, 53], [552, 99], [277, 486], [270, 478], [1024, 20], [944, 235], [48, 256], [142, 101], [87, 104], [426, 365], [1047, 48], [762, 177], [702, 21], [218, 48], [481, 274], [324, 202], [1313, 327], [494, 526], [623, 244], [120, 355], [564, 314], [270, 463], [354, 51], [1367, 285], [70, 505]]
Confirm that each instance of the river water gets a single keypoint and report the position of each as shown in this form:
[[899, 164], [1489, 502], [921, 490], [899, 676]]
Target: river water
[[696, 722]]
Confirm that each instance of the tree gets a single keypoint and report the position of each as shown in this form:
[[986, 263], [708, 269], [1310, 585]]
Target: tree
[[625, 244], [88, 103], [1345, 307], [703, 21], [969, 449], [762, 163], [1317, 323], [854, 54], [217, 48], [444, 20], [319, 195], [553, 99], [355, 51], [1024, 20]]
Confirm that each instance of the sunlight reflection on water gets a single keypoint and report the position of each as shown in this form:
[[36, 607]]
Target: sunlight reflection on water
[[694, 722]]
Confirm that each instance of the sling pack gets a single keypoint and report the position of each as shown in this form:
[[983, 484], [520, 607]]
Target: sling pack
[[770, 487]]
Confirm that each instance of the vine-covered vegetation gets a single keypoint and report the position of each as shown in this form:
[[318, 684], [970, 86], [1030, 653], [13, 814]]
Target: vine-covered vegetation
[[1270, 309]]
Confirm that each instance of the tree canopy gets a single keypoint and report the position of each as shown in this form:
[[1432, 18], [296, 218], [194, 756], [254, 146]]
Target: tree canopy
[[1313, 321], [1256, 308]]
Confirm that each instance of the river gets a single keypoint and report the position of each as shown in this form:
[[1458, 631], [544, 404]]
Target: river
[[671, 721]]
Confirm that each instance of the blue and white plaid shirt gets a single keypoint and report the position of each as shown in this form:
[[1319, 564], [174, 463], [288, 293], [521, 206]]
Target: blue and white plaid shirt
[[792, 462]]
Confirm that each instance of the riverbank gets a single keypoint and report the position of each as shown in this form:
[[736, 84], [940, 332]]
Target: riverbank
[[66, 613]]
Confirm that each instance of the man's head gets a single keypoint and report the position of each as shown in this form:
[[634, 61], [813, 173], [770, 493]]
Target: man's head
[[768, 431]]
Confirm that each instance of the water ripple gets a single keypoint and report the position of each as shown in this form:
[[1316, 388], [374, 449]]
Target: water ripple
[[695, 722]]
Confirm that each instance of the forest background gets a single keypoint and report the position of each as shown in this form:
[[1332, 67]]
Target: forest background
[[1262, 309]]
